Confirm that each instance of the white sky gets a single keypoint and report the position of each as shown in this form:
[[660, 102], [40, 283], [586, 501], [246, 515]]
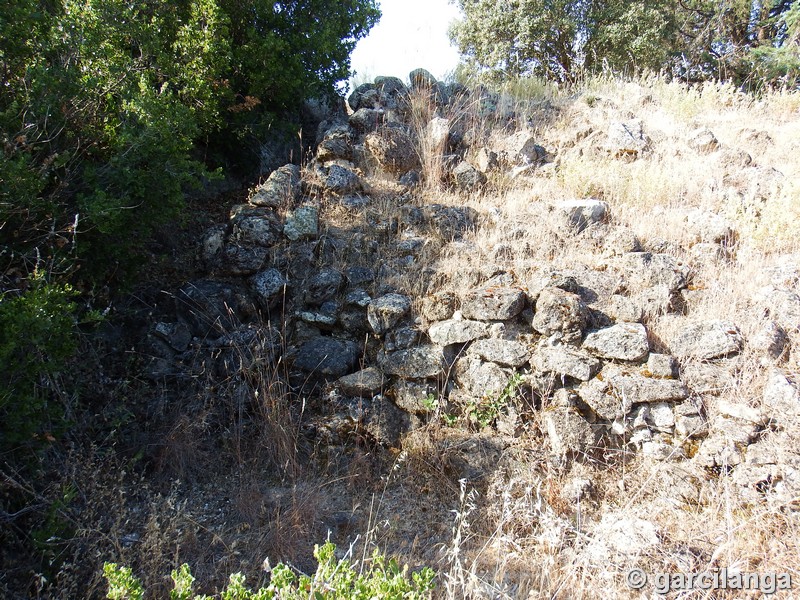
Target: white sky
[[410, 34]]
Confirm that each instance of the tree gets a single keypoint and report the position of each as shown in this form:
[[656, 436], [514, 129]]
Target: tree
[[743, 40]]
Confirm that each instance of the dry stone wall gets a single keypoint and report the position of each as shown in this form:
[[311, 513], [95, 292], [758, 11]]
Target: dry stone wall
[[573, 344]]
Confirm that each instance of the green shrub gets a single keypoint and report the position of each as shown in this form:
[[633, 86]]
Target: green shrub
[[37, 337], [333, 580]]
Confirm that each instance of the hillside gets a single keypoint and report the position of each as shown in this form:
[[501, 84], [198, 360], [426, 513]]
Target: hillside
[[531, 337]]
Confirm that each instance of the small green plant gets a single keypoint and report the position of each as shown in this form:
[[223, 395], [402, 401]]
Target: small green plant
[[432, 404], [334, 579], [485, 411]]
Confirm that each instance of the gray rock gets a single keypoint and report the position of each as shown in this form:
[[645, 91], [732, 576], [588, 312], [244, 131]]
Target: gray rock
[[365, 383], [623, 341], [710, 227], [393, 149], [646, 270], [662, 365], [212, 307], [386, 311], [253, 227], [354, 100], [358, 298], [385, 422], [486, 160], [438, 133], [479, 378], [321, 320], [302, 223], [582, 213], [620, 240], [530, 153], [493, 303], [412, 396], [212, 247], [366, 119], [421, 362], [341, 180], [771, 342], [622, 308], [402, 338], [782, 306], [452, 331], [710, 377], [703, 140], [323, 286], [390, 86], [707, 339], [177, 335], [662, 418], [359, 275], [598, 394], [725, 442], [337, 144], [568, 432], [781, 398], [281, 188], [421, 79], [327, 357], [620, 538], [439, 306], [467, 177], [690, 426], [626, 140], [564, 360], [268, 286], [559, 311], [740, 412], [503, 352], [636, 389]]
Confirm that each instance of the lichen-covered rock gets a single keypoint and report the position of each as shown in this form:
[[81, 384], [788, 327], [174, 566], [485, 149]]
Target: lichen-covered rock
[[421, 79], [341, 180], [439, 306], [393, 148], [479, 378], [322, 286], [633, 388], [454, 331], [559, 311], [302, 223], [707, 340], [268, 286], [645, 270], [337, 144], [281, 188], [366, 119], [438, 133], [623, 341], [599, 395], [662, 365], [360, 97], [503, 352], [365, 383], [493, 303], [386, 311], [467, 177], [564, 360], [327, 357], [421, 362], [416, 397], [771, 342], [625, 309]]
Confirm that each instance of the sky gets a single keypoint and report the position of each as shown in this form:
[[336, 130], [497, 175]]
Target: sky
[[410, 34]]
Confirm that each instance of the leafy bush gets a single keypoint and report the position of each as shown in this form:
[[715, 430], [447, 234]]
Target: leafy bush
[[333, 579], [37, 336]]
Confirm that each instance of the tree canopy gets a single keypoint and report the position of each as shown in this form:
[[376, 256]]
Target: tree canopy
[[748, 41]]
